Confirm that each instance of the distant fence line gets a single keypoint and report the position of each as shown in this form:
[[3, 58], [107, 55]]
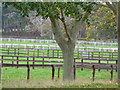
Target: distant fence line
[[57, 47], [27, 40], [53, 41]]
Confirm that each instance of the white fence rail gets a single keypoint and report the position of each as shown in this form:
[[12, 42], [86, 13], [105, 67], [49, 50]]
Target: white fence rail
[[57, 47], [53, 41]]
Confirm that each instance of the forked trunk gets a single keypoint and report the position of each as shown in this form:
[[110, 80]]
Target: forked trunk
[[67, 46]]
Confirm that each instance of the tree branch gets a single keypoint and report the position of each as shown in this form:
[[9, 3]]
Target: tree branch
[[65, 27], [56, 30], [77, 25]]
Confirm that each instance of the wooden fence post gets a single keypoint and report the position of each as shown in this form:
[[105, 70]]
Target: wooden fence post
[[8, 51], [12, 60], [116, 64], [28, 52], [99, 61], [112, 56], [82, 64], [18, 51], [53, 52], [111, 72], [57, 53], [107, 63], [93, 77], [74, 72], [2, 60], [43, 62], [74, 61], [28, 72], [17, 62], [14, 51], [33, 62], [53, 72], [27, 61], [48, 53], [58, 72], [78, 54]]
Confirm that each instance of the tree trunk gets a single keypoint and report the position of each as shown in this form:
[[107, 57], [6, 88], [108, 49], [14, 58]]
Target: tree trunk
[[67, 46], [68, 56], [119, 42]]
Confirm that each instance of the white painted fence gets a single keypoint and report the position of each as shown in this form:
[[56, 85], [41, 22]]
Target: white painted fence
[[57, 47], [53, 41]]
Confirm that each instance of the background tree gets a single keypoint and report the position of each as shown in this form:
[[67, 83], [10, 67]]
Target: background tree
[[115, 7], [13, 23], [40, 26], [57, 13], [103, 24]]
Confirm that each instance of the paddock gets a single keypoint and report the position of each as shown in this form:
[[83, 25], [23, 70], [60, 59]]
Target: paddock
[[22, 55]]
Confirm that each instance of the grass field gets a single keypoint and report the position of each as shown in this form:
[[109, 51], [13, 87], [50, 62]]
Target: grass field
[[41, 77]]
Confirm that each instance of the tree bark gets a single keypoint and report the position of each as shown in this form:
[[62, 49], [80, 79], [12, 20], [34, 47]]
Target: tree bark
[[68, 56]]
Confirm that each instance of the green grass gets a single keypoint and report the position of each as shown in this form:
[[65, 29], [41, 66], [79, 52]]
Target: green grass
[[41, 78]]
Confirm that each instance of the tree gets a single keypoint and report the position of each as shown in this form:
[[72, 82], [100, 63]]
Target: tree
[[115, 7], [66, 37], [102, 24], [13, 23]]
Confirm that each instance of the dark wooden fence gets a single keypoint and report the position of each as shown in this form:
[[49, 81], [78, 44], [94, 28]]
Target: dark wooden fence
[[34, 57]]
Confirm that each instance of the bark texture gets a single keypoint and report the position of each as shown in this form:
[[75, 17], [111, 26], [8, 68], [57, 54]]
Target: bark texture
[[68, 56]]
